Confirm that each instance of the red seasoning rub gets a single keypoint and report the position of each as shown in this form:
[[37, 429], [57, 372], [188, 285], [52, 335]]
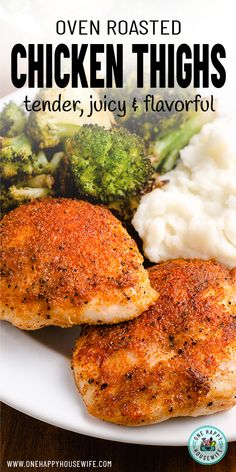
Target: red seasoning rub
[[177, 359], [66, 262]]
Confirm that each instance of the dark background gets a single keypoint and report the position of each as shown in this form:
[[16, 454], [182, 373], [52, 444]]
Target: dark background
[[24, 438]]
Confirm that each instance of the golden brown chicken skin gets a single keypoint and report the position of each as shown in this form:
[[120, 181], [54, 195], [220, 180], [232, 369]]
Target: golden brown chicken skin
[[66, 262], [177, 359]]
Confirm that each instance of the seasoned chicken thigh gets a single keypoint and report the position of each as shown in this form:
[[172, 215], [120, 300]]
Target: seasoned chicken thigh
[[177, 359], [66, 262]]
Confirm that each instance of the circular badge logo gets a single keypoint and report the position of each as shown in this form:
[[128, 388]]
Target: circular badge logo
[[207, 445]]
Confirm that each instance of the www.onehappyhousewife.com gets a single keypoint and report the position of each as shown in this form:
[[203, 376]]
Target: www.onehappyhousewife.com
[[96, 464]]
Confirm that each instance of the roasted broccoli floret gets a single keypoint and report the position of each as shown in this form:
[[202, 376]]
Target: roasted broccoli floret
[[24, 194], [7, 203], [48, 128], [148, 124], [25, 176], [165, 151], [165, 132], [47, 131], [109, 166], [12, 120], [17, 158], [14, 192], [14, 195]]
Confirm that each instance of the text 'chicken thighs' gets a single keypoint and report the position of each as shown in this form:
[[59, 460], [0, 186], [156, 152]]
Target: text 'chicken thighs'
[[67, 262], [177, 359]]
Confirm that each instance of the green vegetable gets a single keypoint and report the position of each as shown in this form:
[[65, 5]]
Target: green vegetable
[[25, 175], [165, 151], [24, 194], [48, 128], [148, 124], [165, 132], [46, 131], [14, 195], [109, 166], [17, 158], [12, 120], [7, 202]]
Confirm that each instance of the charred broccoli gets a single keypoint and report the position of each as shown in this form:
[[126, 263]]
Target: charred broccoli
[[109, 166], [164, 132], [148, 124], [7, 202], [47, 131], [17, 158], [12, 120], [47, 128], [165, 150], [24, 175], [22, 192]]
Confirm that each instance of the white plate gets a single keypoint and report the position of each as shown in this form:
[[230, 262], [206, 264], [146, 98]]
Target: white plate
[[36, 379]]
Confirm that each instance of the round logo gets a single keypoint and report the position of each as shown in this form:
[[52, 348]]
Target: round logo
[[207, 445]]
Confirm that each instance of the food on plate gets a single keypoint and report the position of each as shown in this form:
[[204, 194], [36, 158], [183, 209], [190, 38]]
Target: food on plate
[[145, 122], [30, 189], [104, 164], [12, 120], [48, 128], [164, 129], [109, 166], [193, 215], [32, 145], [25, 174], [177, 359], [165, 151], [18, 159], [66, 262]]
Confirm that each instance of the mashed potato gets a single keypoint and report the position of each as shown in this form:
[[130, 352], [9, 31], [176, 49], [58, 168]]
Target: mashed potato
[[194, 214]]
